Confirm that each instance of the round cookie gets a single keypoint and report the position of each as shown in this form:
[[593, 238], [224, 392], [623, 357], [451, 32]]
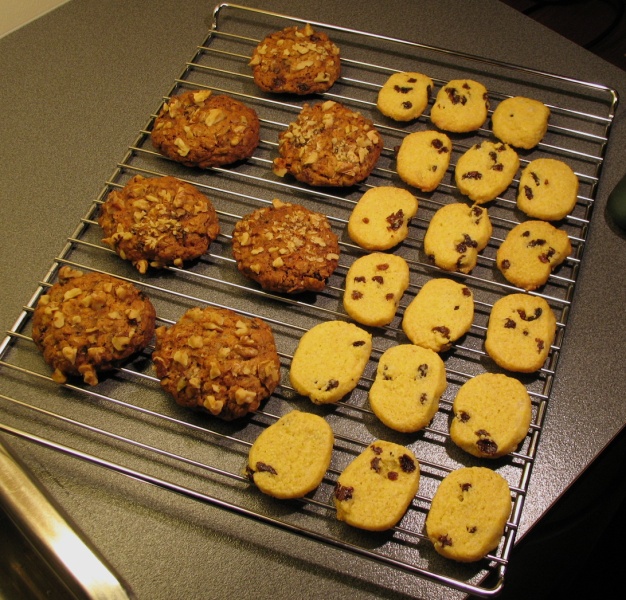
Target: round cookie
[[216, 360], [374, 286], [460, 106], [375, 490], [440, 314], [286, 248], [409, 383], [86, 324], [469, 513], [404, 96], [486, 170], [201, 129], [530, 252], [290, 457], [456, 234], [329, 361], [328, 145], [158, 221], [423, 159], [492, 414], [520, 122], [520, 332], [380, 220], [296, 61], [548, 189]]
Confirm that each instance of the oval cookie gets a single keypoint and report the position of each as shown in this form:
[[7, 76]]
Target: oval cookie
[[460, 106], [374, 491], [521, 122], [404, 96], [423, 159]]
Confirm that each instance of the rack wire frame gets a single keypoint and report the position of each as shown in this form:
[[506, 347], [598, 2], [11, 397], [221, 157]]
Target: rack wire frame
[[144, 428]]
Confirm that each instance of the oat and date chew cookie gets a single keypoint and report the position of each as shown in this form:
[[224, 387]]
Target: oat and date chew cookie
[[296, 61], [492, 414], [460, 106], [469, 513], [380, 220], [329, 361], [286, 248], [202, 129], [375, 490], [530, 252], [409, 383], [290, 457], [423, 159], [404, 96], [520, 122], [486, 170], [89, 323], [328, 145], [159, 221], [456, 234], [216, 360], [520, 332]]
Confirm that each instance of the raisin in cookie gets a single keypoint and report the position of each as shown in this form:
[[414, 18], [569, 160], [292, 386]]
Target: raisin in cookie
[[89, 323], [520, 122], [486, 170], [469, 513], [329, 361], [460, 106], [456, 234], [286, 248], [380, 220], [423, 159], [158, 221], [290, 457], [492, 414], [201, 129], [530, 252], [328, 145], [374, 286], [296, 61], [216, 360], [404, 96], [409, 383], [548, 189], [375, 490], [440, 314]]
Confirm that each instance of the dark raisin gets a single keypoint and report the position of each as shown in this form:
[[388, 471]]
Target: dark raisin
[[466, 291], [261, 467], [455, 97], [376, 449], [445, 540], [358, 343], [505, 264], [407, 105], [540, 344], [522, 313], [366, 220], [422, 370], [411, 80], [472, 175], [528, 193], [464, 417], [537, 242], [407, 464], [356, 295], [402, 90], [472, 529], [389, 296], [510, 324], [493, 156], [526, 233], [395, 220], [360, 279], [486, 446], [382, 267], [392, 476], [331, 385], [535, 177], [375, 464], [498, 167], [343, 492], [546, 256], [424, 398], [378, 279], [436, 143], [465, 487], [443, 330]]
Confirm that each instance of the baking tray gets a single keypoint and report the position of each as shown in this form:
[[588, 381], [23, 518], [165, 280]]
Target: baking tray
[[129, 425]]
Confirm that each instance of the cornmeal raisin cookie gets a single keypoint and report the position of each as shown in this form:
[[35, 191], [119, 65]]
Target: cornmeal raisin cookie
[[520, 332], [202, 129], [296, 61], [216, 360], [286, 248], [520, 122], [380, 220], [469, 513], [158, 221], [486, 170], [492, 414], [374, 286], [375, 490], [423, 159], [548, 189], [329, 361], [440, 314], [456, 234], [530, 252], [89, 323], [404, 96], [460, 106], [409, 383], [290, 457], [328, 145]]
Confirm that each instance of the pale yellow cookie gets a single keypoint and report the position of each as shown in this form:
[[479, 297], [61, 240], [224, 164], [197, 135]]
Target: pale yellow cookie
[[404, 96], [520, 122], [460, 106], [423, 159]]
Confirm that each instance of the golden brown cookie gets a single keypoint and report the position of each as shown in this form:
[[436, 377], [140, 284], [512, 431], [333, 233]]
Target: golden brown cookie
[[520, 122], [423, 159], [460, 106], [404, 96]]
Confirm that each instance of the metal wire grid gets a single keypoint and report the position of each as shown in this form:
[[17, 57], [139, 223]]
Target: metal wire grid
[[143, 428]]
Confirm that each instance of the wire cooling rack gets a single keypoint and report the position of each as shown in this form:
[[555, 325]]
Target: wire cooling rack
[[129, 425]]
